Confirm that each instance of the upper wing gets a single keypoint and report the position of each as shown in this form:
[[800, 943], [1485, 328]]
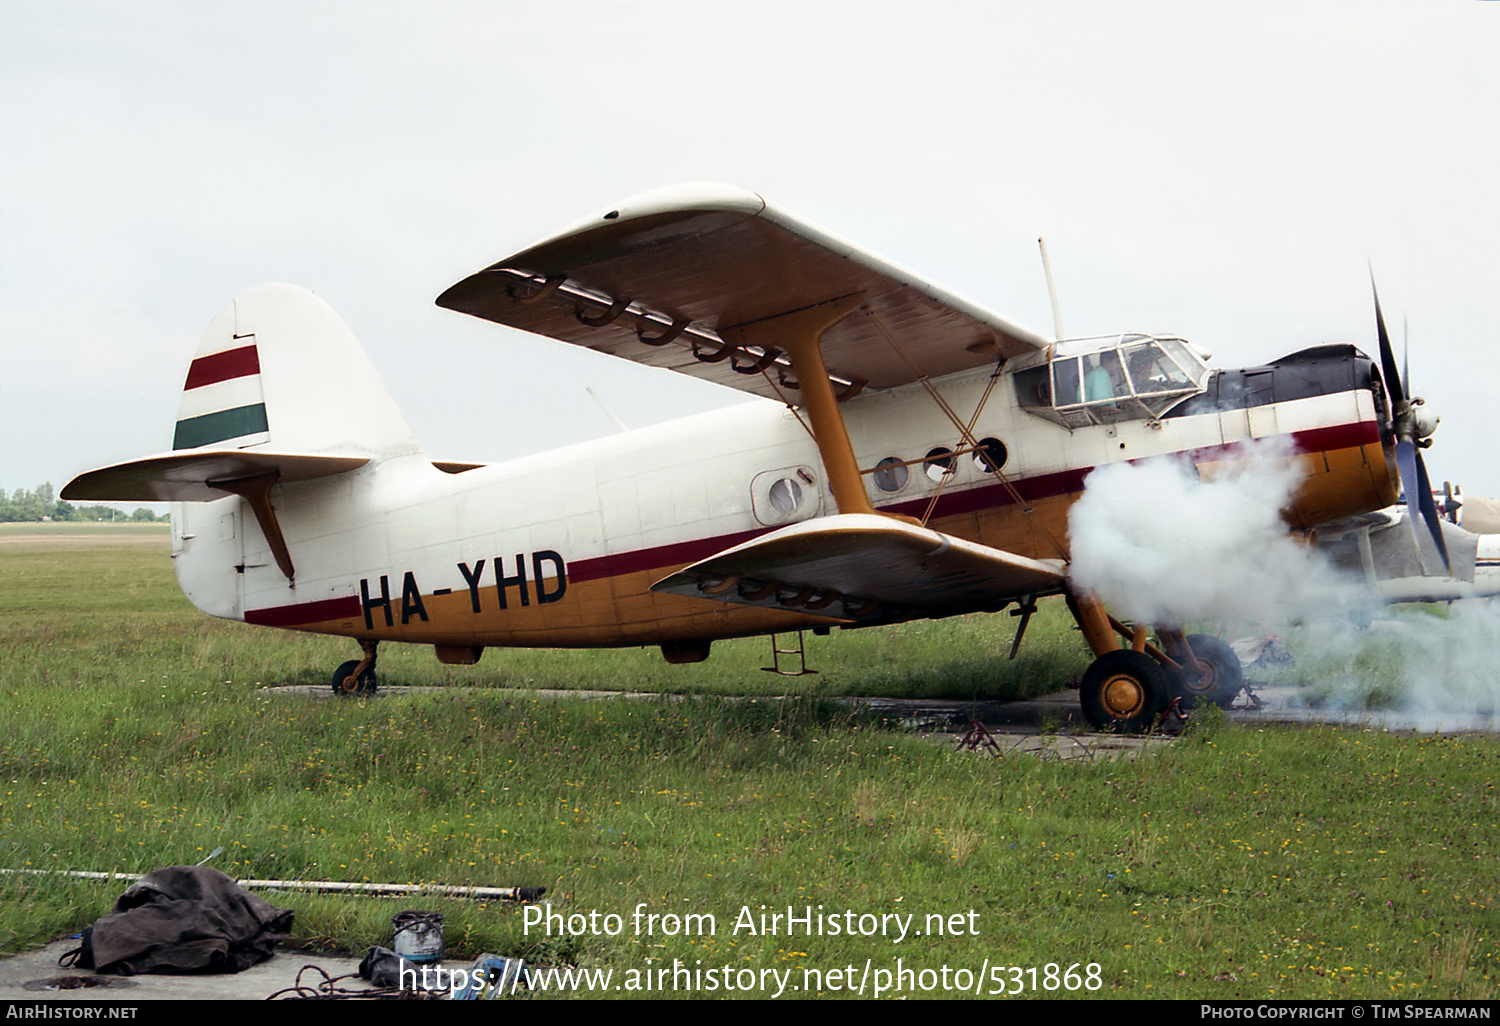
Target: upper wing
[[858, 566], [656, 279]]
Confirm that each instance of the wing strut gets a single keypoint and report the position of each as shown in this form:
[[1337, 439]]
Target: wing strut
[[797, 333]]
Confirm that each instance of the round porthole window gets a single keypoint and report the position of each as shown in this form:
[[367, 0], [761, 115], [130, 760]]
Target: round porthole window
[[890, 474], [938, 463], [785, 496], [991, 455]]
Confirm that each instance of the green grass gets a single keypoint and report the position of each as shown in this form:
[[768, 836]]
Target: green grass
[[1254, 863]]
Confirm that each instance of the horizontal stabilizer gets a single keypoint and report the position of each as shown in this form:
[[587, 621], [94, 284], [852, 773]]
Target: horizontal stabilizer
[[197, 475], [864, 567]]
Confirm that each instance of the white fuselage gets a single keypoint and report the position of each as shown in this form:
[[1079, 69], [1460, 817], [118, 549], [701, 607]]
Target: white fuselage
[[571, 539]]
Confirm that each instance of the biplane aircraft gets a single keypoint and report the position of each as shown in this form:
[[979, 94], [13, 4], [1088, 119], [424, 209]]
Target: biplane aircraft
[[919, 458]]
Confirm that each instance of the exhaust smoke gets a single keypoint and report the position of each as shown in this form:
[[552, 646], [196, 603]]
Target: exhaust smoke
[[1162, 544]]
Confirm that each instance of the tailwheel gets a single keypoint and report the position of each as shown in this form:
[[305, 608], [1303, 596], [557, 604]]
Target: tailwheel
[[1124, 691], [346, 684], [1219, 680]]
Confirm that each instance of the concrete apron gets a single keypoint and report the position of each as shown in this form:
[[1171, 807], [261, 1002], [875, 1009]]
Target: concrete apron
[[35, 976]]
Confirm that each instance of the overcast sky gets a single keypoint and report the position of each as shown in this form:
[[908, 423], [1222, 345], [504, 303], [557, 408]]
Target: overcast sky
[[1224, 171]]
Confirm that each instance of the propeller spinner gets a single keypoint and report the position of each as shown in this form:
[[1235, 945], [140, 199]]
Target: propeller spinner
[[1413, 427]]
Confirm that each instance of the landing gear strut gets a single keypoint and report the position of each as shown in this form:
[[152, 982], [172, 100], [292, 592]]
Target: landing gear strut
[[1129, 687], [357, 676]]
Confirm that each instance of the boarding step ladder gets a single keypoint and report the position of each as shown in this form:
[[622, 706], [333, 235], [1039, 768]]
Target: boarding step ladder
[[788, 661]]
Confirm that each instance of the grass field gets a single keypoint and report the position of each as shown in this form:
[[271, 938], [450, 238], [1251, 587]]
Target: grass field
[[1275, 862]]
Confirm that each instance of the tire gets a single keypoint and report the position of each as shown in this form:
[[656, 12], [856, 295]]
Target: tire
[[1223, 680], [1124, 691], [344, 684]]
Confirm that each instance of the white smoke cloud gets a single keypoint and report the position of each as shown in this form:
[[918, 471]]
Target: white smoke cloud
[[1160, 544], [1449, 664], [1429, 667]]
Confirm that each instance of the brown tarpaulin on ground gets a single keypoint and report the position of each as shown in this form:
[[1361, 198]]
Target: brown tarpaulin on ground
[[184, 919]]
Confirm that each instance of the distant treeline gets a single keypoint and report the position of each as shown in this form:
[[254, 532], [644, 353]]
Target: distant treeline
[[43, 504]]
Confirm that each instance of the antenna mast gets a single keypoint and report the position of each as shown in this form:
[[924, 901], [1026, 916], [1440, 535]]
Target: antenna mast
[[1057, 329]]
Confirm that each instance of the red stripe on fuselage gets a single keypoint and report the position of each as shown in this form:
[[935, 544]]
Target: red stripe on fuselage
[[305, 612], [676, 554], [225, 366], [1345, 436]]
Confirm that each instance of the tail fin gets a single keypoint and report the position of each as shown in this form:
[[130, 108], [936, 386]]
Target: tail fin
[[278, 371], [278, 392]]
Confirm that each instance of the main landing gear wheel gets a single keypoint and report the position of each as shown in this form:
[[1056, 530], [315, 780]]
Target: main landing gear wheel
[[1221, 680], [345, 685], [1124, 691]]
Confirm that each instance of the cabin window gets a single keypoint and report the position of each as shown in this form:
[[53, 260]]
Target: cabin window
[[938, 463], [1034, 387], [1105, 377], [891, 474], [786, 496], [1153, 371], [991, 455], [783, 496]]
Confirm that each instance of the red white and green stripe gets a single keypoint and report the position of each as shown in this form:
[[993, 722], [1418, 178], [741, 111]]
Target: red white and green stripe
[[222, 399]]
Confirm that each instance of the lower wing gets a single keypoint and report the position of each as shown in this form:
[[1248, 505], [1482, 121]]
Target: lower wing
[[864, 568]]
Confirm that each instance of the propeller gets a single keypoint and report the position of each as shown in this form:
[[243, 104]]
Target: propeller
[[1413, 429]]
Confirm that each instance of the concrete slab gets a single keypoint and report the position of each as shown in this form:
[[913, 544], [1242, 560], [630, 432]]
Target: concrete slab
[[1289, 704], [36, 976]]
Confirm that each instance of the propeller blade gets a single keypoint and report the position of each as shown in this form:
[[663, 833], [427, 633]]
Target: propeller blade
[[1418, 489], [1405, 355], [1406, 462], [1430, 513], [1393, 386], [1414, 480]]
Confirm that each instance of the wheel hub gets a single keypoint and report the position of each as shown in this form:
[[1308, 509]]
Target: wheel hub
[[1123, 696], [1204, 683]]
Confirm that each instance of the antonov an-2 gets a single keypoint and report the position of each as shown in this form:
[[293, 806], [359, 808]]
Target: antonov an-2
[[918, 460]]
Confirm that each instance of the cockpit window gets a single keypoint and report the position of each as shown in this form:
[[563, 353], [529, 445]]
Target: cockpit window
[[1079, 382], [1104, 379], [1152, 369], [1066, 378]]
